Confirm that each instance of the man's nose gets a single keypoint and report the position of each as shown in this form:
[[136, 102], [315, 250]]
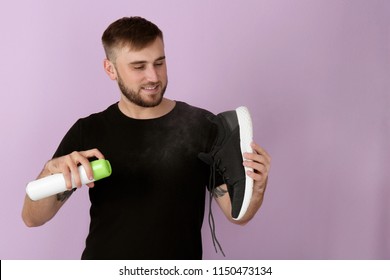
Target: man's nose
[[151, 74]]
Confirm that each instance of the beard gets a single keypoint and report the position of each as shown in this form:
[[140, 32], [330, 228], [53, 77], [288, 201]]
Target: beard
[[136, 98]]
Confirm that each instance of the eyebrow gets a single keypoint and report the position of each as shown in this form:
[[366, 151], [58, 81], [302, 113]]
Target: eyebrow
[[144, 61]]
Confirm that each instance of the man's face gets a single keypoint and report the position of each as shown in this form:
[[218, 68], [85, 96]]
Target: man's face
[[142, 75]]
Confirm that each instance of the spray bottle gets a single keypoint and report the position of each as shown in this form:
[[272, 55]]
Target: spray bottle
[[55, 183]]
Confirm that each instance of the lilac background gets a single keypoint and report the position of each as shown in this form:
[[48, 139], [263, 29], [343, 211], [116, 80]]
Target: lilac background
[[315, 75]]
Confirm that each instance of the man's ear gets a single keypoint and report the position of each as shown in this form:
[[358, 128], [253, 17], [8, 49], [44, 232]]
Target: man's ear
[[109, 68]]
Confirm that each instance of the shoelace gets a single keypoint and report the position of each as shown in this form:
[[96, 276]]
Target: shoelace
[[211, 217]]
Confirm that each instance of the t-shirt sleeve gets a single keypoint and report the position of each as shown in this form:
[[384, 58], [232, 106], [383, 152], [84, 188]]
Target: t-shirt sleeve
[[71, 141]]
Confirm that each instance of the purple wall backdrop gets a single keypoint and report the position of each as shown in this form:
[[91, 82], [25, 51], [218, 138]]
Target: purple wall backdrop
[[315, 75]]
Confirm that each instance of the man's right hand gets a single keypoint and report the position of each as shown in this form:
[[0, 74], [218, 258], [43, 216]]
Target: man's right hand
[[68, 164]]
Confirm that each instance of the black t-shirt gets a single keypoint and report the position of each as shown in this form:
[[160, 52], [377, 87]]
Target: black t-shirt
[[152, 206]]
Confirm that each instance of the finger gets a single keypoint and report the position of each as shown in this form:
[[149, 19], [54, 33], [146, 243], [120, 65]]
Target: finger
[[256, 176], [82, 158], [68, 177], [59, 165], [258, 162], [256, 157], [257, 167], [87, 166], [92, 153], [260, 150], [73, 160]]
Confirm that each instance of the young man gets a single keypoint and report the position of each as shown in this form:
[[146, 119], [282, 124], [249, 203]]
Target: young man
[[152, 206]]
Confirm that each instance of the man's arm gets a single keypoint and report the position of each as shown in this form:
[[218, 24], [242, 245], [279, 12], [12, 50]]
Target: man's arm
[[260, 161], [37, 213]]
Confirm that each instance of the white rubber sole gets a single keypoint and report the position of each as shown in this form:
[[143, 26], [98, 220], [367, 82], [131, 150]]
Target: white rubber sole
[[246, 138]]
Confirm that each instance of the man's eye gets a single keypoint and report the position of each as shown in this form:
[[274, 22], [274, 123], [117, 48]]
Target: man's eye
[[159, 63], [140, 67]]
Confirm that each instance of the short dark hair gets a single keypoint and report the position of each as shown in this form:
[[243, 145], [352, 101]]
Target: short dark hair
[[133, 32]]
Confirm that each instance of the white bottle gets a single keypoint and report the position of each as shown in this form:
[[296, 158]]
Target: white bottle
[[53, 184]]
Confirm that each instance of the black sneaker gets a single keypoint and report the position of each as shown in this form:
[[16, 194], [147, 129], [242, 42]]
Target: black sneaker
[[226, 157]]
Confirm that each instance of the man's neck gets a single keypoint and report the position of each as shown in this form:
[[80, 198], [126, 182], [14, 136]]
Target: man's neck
[[137, 112]]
